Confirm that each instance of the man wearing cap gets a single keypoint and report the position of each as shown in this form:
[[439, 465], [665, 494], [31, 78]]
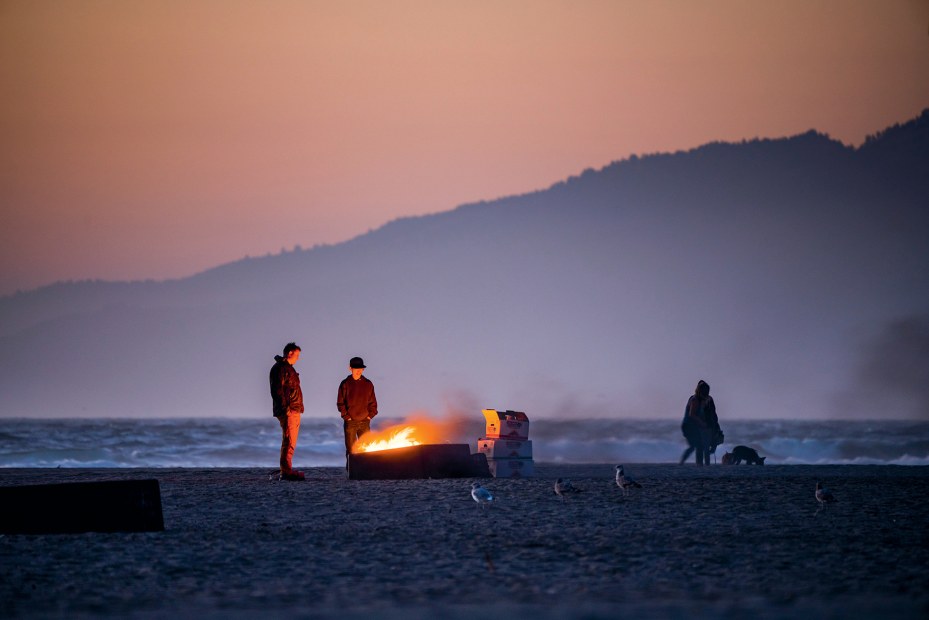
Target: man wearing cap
[[357, 404]]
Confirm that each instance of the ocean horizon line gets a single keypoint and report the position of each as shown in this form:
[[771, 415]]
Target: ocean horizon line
[[400, 419], [255, 442]]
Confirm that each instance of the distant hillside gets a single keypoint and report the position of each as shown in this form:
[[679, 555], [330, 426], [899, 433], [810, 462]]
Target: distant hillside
[[774, 269]]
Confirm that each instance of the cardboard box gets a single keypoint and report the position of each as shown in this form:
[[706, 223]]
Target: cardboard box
[[511, 468], [505, 448], [506, 424]]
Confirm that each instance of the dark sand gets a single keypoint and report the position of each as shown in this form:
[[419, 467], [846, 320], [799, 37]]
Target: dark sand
[[714, 542]]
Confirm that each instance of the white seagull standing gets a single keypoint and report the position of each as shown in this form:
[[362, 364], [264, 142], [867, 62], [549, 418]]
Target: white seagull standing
[[625, 482], [481, 495], [823, 495]]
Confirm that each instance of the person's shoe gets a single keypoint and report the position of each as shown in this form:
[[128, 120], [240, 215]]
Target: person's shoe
[[293, 476]]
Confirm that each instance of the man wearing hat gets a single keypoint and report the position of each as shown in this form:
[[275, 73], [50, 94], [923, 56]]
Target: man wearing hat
[[357, 404]]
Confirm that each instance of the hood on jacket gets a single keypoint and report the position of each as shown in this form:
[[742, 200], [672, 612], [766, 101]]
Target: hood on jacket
[[703, 389]]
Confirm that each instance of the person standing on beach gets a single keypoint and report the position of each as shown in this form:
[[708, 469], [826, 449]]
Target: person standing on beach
[[357, 404], [287, 401], [701, 424]]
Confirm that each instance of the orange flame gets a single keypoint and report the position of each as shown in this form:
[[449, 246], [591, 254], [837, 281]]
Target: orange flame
[[401, 438], [414, 431]]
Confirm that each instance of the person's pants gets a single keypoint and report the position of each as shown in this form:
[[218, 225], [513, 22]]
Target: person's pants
[[698, 441], [703, 456], [353, 430], [290, 428], [688, 452], [703, 446]]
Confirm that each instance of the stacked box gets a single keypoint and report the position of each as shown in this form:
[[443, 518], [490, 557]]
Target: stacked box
[[506, 444], [506, 425], [511, 468], [504, 448]]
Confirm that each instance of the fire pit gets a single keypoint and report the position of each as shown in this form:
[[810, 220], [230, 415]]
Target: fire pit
[[414, 449], [421, 461]]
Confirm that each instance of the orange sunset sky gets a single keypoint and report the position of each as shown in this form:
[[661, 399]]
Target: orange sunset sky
[[154, 139]]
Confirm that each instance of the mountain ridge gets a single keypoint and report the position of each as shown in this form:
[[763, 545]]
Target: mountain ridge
[[764, 263], [873, 142]]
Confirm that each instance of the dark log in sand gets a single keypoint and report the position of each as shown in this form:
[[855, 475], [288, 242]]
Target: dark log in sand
[[111, 506]]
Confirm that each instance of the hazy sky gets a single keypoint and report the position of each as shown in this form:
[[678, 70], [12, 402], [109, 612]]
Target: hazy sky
[[154, 139]]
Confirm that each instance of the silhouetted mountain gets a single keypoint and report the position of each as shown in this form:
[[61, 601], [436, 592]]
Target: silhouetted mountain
[[765, 267]]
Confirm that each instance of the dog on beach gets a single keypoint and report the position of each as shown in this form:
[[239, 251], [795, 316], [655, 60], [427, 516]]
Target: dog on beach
[[743, 453]]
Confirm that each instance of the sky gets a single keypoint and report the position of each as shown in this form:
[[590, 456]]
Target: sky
[[148, 139]]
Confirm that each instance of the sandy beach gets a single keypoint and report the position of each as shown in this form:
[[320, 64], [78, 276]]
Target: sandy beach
[[712, 542]]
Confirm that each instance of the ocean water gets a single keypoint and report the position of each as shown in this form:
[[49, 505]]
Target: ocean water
[[215, 442]]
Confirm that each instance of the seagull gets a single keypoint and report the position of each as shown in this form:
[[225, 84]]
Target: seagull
[[564, 487], [481, 495], [823, 495], [625, 482]]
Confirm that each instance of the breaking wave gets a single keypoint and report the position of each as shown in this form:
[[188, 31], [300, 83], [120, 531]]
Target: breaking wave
[[208, 443]]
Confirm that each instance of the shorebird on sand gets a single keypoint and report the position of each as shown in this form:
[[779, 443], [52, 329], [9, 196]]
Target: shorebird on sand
[[823, 495], [564, 487], [481, 495], [625, 482]]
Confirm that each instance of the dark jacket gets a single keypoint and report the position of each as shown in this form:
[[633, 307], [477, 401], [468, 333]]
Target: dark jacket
[[702, 412], [356, 399], [699, 413], [286, 395], [701, 423]]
